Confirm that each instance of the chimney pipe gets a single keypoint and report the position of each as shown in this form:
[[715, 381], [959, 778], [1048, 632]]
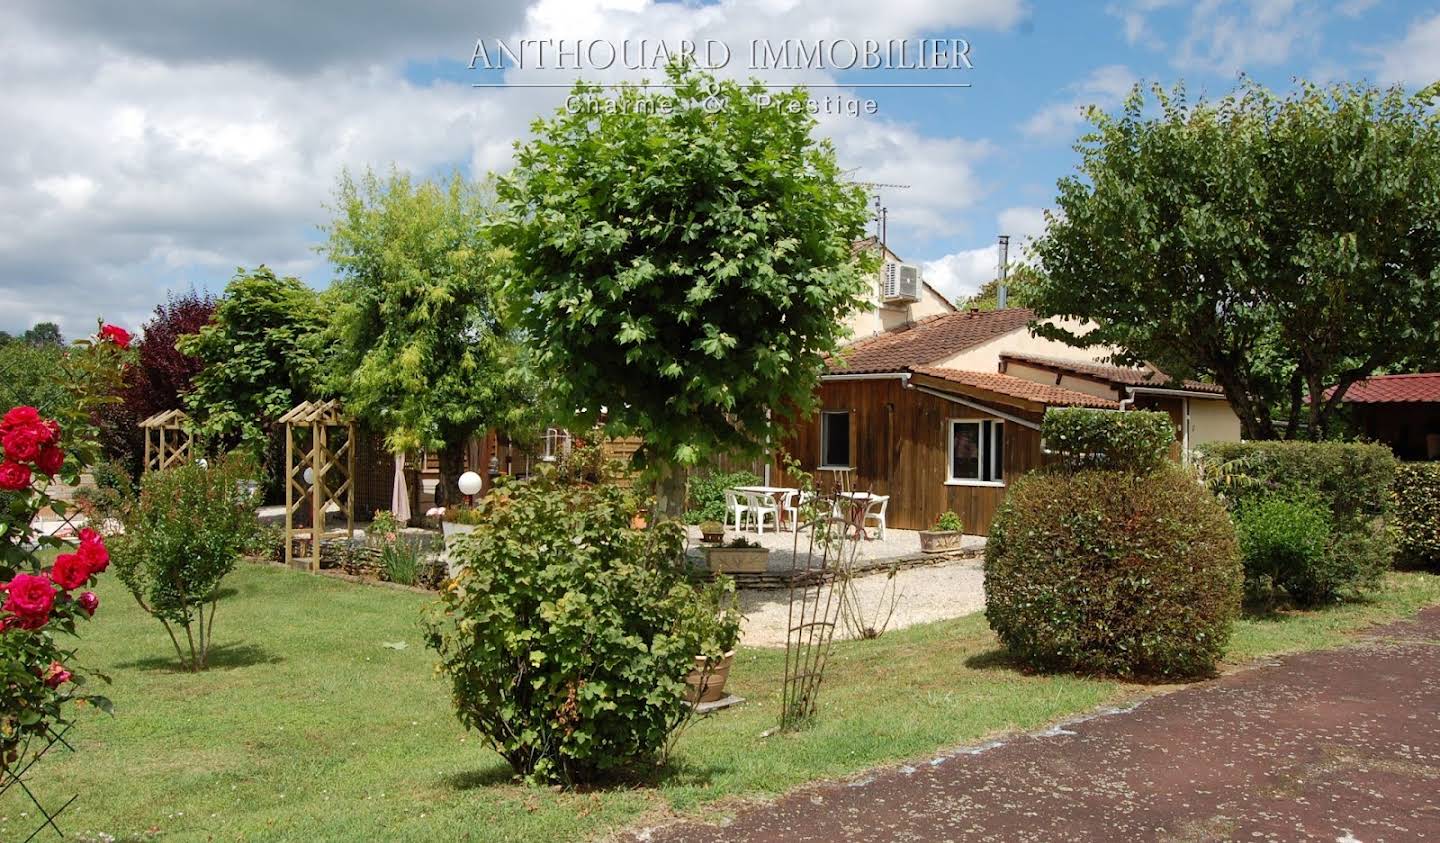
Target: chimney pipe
[[1001, 293]]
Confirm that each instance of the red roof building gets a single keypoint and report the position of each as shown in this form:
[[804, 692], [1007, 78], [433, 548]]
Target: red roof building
[[1403, 411]]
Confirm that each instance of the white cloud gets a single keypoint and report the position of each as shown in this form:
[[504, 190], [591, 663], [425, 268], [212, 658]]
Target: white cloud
[[1105, 87], [1415, 58], [960, 274], [1022, 223]]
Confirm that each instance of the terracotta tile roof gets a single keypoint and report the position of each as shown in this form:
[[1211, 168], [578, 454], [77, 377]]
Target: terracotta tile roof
[[1041, 393], [1393, 389], [1148, 376], [929, 340]]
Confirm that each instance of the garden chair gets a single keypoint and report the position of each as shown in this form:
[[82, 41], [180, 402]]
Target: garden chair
[[761, 505], [875, 514], [734, 507]]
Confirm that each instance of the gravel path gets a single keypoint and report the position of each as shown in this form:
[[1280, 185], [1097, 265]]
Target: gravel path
[[1338, 745], [917, 594]]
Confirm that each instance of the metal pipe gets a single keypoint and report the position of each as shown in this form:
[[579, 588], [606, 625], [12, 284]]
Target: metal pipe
[[1002, 291]]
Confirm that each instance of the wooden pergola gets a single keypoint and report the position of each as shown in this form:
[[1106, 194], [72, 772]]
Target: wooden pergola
[[309, 445], [168, 441]]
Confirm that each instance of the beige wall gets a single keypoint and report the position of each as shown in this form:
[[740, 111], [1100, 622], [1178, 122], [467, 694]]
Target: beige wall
[[1212, 420], [1088, 386], [985, 357], [877, 317]]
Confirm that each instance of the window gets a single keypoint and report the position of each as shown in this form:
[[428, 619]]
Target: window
[[835, 451], [977, 452], [557, 444]]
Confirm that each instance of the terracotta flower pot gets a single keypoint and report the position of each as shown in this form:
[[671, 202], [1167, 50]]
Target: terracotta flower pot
[[703, 687], [939, 541], [736, 560]]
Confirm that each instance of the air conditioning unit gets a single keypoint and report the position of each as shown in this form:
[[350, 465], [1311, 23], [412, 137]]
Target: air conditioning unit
[[900, 282]]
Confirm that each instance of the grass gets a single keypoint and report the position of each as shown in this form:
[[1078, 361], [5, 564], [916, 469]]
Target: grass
[[311, 725]]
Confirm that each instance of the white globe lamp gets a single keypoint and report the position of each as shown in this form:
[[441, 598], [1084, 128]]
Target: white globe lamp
[[469, 484], [309, 477]]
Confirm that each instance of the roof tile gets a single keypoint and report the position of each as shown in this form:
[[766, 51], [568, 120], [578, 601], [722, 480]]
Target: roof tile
[[928, 340], [1147, 376], [1041, 393], [1394, 389]]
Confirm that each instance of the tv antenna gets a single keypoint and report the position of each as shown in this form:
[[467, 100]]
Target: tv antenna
[[882, 213]]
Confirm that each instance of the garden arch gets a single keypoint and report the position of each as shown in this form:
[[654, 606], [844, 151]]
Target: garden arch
[[320, 438], [168, 441]]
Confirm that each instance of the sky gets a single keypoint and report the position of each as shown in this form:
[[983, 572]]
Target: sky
[[157, 145]]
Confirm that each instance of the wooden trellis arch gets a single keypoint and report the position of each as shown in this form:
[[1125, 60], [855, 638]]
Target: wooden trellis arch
[[311, 431], [168, 441]]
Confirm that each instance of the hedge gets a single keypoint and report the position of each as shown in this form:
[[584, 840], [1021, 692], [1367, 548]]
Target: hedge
[[1416, 499], [1080, 438]]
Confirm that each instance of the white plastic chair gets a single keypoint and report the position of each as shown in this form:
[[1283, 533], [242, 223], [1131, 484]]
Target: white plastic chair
[[761, 505], [876, 515], [733, 507]]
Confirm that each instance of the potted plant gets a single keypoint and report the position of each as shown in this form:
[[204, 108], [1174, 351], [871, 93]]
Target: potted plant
[[740, 556], [712, 532], [948, 534], [718, 632]]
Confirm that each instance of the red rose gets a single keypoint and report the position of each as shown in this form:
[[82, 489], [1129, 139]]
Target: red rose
[[50, 460], [14, 476], [21, 416], [70, 571], [92, 551], [89, 602], [22, 444], [56, 675], [116, 334], [30, 598]]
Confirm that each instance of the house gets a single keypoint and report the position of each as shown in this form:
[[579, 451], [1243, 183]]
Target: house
[[943, 412], [1403, 411], [898, 297]]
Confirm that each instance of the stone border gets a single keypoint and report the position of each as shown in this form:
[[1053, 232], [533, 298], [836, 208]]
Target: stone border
[[869, 567]]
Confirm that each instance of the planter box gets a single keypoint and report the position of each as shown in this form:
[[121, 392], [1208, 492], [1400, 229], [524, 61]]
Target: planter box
[[704, 686], [738, 560], [939, 541], [448, 529]]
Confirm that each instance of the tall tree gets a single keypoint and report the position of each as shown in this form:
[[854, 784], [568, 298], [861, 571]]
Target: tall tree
[[257, 355], [44, 333], [420, 351], [1283, 246], [683, 257]]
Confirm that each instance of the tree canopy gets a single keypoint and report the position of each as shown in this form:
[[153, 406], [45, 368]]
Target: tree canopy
[[1281, 245], [420, 351], [683, 257], [258, 357]]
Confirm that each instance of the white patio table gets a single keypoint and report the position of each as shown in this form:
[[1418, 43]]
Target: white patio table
[[780, 494]]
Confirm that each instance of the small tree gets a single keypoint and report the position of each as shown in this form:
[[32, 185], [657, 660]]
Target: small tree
[[684, 260], [257, 356], [184, 535], [1283, 246], [420, 351]]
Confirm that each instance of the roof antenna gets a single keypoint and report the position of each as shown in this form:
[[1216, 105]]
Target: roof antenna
[[1001, 292]]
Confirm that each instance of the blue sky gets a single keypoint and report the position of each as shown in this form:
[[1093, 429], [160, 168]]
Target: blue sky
[[194, 139]]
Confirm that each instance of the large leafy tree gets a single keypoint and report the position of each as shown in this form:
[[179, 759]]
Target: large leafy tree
[[1283, 246], [683, 257], [258, 358], [420, 350]]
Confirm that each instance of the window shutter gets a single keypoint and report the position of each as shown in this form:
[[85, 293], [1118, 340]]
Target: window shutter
[[854, 440]]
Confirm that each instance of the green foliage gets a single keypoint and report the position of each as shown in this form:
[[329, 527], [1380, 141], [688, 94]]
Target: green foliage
[[190, 526], [1282, 245], [1113, 573], [1136, 441], [716, 625], [420, 351], [402, 555], [688, 270], [949, 522], [567, 635], [33, 376], [1017, 293], [1416, 496], [1351, 482], [1286, 545], [258, 358], [707, 494]]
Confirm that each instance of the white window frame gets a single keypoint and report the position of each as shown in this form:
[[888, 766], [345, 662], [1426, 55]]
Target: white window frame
[[824, 440], [557, 444], [997, 459]]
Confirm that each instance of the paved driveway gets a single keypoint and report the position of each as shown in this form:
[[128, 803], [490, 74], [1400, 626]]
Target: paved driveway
[[1342, 745]]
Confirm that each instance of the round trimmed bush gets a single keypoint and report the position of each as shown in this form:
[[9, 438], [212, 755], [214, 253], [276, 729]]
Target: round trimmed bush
[[566, 634], [1113, 573]]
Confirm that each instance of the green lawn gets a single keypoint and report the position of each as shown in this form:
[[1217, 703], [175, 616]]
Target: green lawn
[[308, 727]]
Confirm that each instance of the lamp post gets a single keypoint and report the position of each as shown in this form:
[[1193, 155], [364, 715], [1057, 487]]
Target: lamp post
[[469, 484]]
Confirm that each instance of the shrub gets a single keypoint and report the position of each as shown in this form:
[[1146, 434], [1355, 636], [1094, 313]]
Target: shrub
[[1114, 573], [566, 634], [1136, 441], [183, 536], [1351, 482], [1416, 497], [1285, 544], [949, 522], [707, 494]]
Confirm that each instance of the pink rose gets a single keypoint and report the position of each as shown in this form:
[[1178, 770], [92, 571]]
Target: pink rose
[[70, 571], [14, 476], [30, 599], [92, 551], [89, 602], [56, 675]]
